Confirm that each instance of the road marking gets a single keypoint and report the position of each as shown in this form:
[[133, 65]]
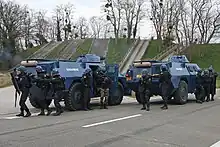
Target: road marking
[[217, 144], [113, 120], [16, 117]]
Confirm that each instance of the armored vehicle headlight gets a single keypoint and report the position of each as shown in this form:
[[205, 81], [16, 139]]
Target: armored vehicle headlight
[[29, 63]]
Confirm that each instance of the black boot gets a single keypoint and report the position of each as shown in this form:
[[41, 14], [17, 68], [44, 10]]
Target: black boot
[[41, 113], [164, 107], [148, 109], [212, 99], [28, 114], [20, 114], [85, 109], [49, 111], [105, 106], [101, 106], [57, 113], [199, 101]]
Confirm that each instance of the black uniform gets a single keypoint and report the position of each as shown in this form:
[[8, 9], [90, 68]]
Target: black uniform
[[206, 85], [43, 83], [58, 87], [87, 86], [200, 92], [24, 84], [166, 87], [213, 75], [144, 90]]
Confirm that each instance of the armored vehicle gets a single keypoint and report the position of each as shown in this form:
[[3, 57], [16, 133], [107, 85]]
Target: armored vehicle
[[72, 72], [183, 77]]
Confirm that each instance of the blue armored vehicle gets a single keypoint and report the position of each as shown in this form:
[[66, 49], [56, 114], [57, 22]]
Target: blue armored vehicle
[[72, 72], [183, 77]]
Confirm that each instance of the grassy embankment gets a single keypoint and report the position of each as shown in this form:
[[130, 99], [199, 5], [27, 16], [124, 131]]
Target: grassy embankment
[[116, 52], [154, 48], [55, 52], [83, 48], [205, 55]]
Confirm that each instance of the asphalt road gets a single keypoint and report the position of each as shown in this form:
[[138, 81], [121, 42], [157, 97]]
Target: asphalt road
[[190, 125]]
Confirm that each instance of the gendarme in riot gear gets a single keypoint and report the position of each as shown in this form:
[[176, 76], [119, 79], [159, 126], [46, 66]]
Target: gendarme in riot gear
[[207, 84], [24, 84], [165, 85], [144, 89], [213, 75], [87, 87]]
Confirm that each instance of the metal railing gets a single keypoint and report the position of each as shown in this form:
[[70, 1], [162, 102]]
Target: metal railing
[[165, 52]]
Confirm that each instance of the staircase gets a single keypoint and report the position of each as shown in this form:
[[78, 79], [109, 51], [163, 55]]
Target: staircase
[[135, 54], [40, 51], [165, 53], [67, 52], [100, 47]]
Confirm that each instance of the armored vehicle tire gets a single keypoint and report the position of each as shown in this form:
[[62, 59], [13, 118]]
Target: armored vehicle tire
[[181, 94], [74, 97], [35, 104], [138, 98], [116, 100]]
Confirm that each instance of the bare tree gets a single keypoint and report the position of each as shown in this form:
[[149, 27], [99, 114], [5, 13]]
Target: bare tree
[[82, 26], [114, 15], [42, 26], [97, 24], [157, 15], [12, 18], [208, 20], [134, 13]]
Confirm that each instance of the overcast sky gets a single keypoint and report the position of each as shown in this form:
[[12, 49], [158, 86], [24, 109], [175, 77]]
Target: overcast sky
[[86, 8]]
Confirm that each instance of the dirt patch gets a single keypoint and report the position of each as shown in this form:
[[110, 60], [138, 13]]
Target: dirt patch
[[5, 80]]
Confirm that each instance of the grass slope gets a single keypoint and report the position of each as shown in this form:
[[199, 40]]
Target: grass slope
[[26, 53], [55, 52], [116, 52], [154, 48], [205, 55], [83, 48]]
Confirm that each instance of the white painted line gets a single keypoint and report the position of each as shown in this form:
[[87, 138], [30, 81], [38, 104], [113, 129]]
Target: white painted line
[[113, 120], [217, 144], [16, 117]]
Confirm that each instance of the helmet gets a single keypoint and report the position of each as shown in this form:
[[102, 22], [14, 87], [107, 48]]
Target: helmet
[[144, 72], [87, 71], [39, 69], [55, 72], [206, 72], [22, 69], [210, 68], [163, 67]]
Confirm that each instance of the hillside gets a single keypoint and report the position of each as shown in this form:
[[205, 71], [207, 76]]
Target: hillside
[[205, 55], [154, 48]]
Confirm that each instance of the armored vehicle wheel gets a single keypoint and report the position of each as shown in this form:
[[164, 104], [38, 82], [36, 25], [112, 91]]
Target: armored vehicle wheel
[[74, 97], [33, 102], [181, 94], [137, 95], [117, 99]]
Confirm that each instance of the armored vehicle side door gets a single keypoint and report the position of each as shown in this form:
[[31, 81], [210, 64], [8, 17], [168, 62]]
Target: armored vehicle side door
[[192, 80], [112, 71]]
